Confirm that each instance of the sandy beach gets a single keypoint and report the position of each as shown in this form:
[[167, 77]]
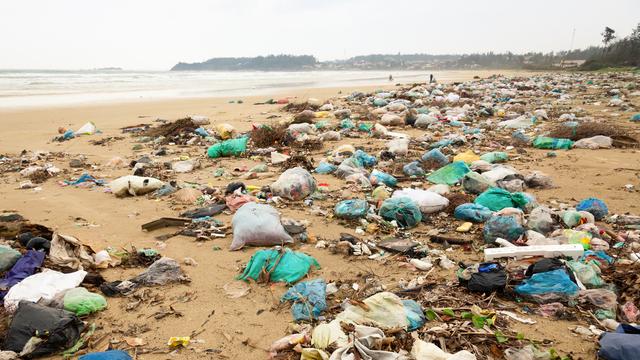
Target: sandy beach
[[244, 328]]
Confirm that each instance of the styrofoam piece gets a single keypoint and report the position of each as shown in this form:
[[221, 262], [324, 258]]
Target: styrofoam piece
[[548, 251]]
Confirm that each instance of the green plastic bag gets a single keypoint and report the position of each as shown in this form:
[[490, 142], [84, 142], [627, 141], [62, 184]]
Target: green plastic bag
[[497, 199], [83, 302], [364, 127], [233, 147], [450, 174], [278, 266], [401, 209], [8, 257], [495, 157], [346, 124], [544, 142], [589, 273]]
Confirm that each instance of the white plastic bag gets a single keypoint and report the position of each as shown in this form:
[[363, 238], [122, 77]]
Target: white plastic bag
[[399, 146], [134, 185], [594, 142], [452, 97], [86, 129], [386, 310], [390, 119], [330, 136], [423, 350], [45, 285], [302, 128], [294, 184], [429, 202], [199, 120], [498, 173], [424, 120], [521, 122], [257, 225]]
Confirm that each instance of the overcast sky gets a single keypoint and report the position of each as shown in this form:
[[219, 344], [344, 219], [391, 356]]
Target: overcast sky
[[156, 34]]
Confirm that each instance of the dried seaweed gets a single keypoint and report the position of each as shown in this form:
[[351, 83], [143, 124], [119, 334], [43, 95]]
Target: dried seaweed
[[269, 135]]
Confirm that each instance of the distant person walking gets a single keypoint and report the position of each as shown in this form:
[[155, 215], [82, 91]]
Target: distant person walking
[[431, 79], [390, 77]]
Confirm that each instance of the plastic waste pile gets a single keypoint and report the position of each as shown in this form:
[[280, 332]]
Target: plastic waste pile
[[437, 211]]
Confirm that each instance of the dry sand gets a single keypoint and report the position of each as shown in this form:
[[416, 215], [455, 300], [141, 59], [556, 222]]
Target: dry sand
[[240, 328]]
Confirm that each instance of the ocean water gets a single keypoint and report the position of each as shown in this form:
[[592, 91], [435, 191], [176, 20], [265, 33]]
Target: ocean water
[[33, 88]]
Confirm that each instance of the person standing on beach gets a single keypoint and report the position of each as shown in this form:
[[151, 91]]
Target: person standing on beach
[[390, 77]]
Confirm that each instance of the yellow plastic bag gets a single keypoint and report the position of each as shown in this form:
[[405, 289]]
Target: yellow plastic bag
[[225, 131], [467, 156], [176, 341]]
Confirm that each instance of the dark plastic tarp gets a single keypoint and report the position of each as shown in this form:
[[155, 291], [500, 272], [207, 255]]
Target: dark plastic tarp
[[59, 329]]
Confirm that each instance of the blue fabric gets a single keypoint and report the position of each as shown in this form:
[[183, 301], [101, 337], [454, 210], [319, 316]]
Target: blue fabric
[[23, 268], [309, 297], [107, 355], [624, 344]]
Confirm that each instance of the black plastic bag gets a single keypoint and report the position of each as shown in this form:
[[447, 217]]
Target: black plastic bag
[[487, 282], [548, 264], [58, 328]]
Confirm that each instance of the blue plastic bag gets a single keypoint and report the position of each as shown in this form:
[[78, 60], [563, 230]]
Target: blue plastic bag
[[520, 136], [351, 209], [201, 131], [554, 281], [506, 227], [413, 169], [402, 209], [68, 135], [415, 315], [472, 212], [86, 177], [107, 355], [309, 299], [595, 206], [435, 156], [441, 143], [325, 168], [365, 159], [378, 177]]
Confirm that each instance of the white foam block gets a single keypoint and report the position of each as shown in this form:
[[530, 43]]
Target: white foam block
[[548, 251]]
